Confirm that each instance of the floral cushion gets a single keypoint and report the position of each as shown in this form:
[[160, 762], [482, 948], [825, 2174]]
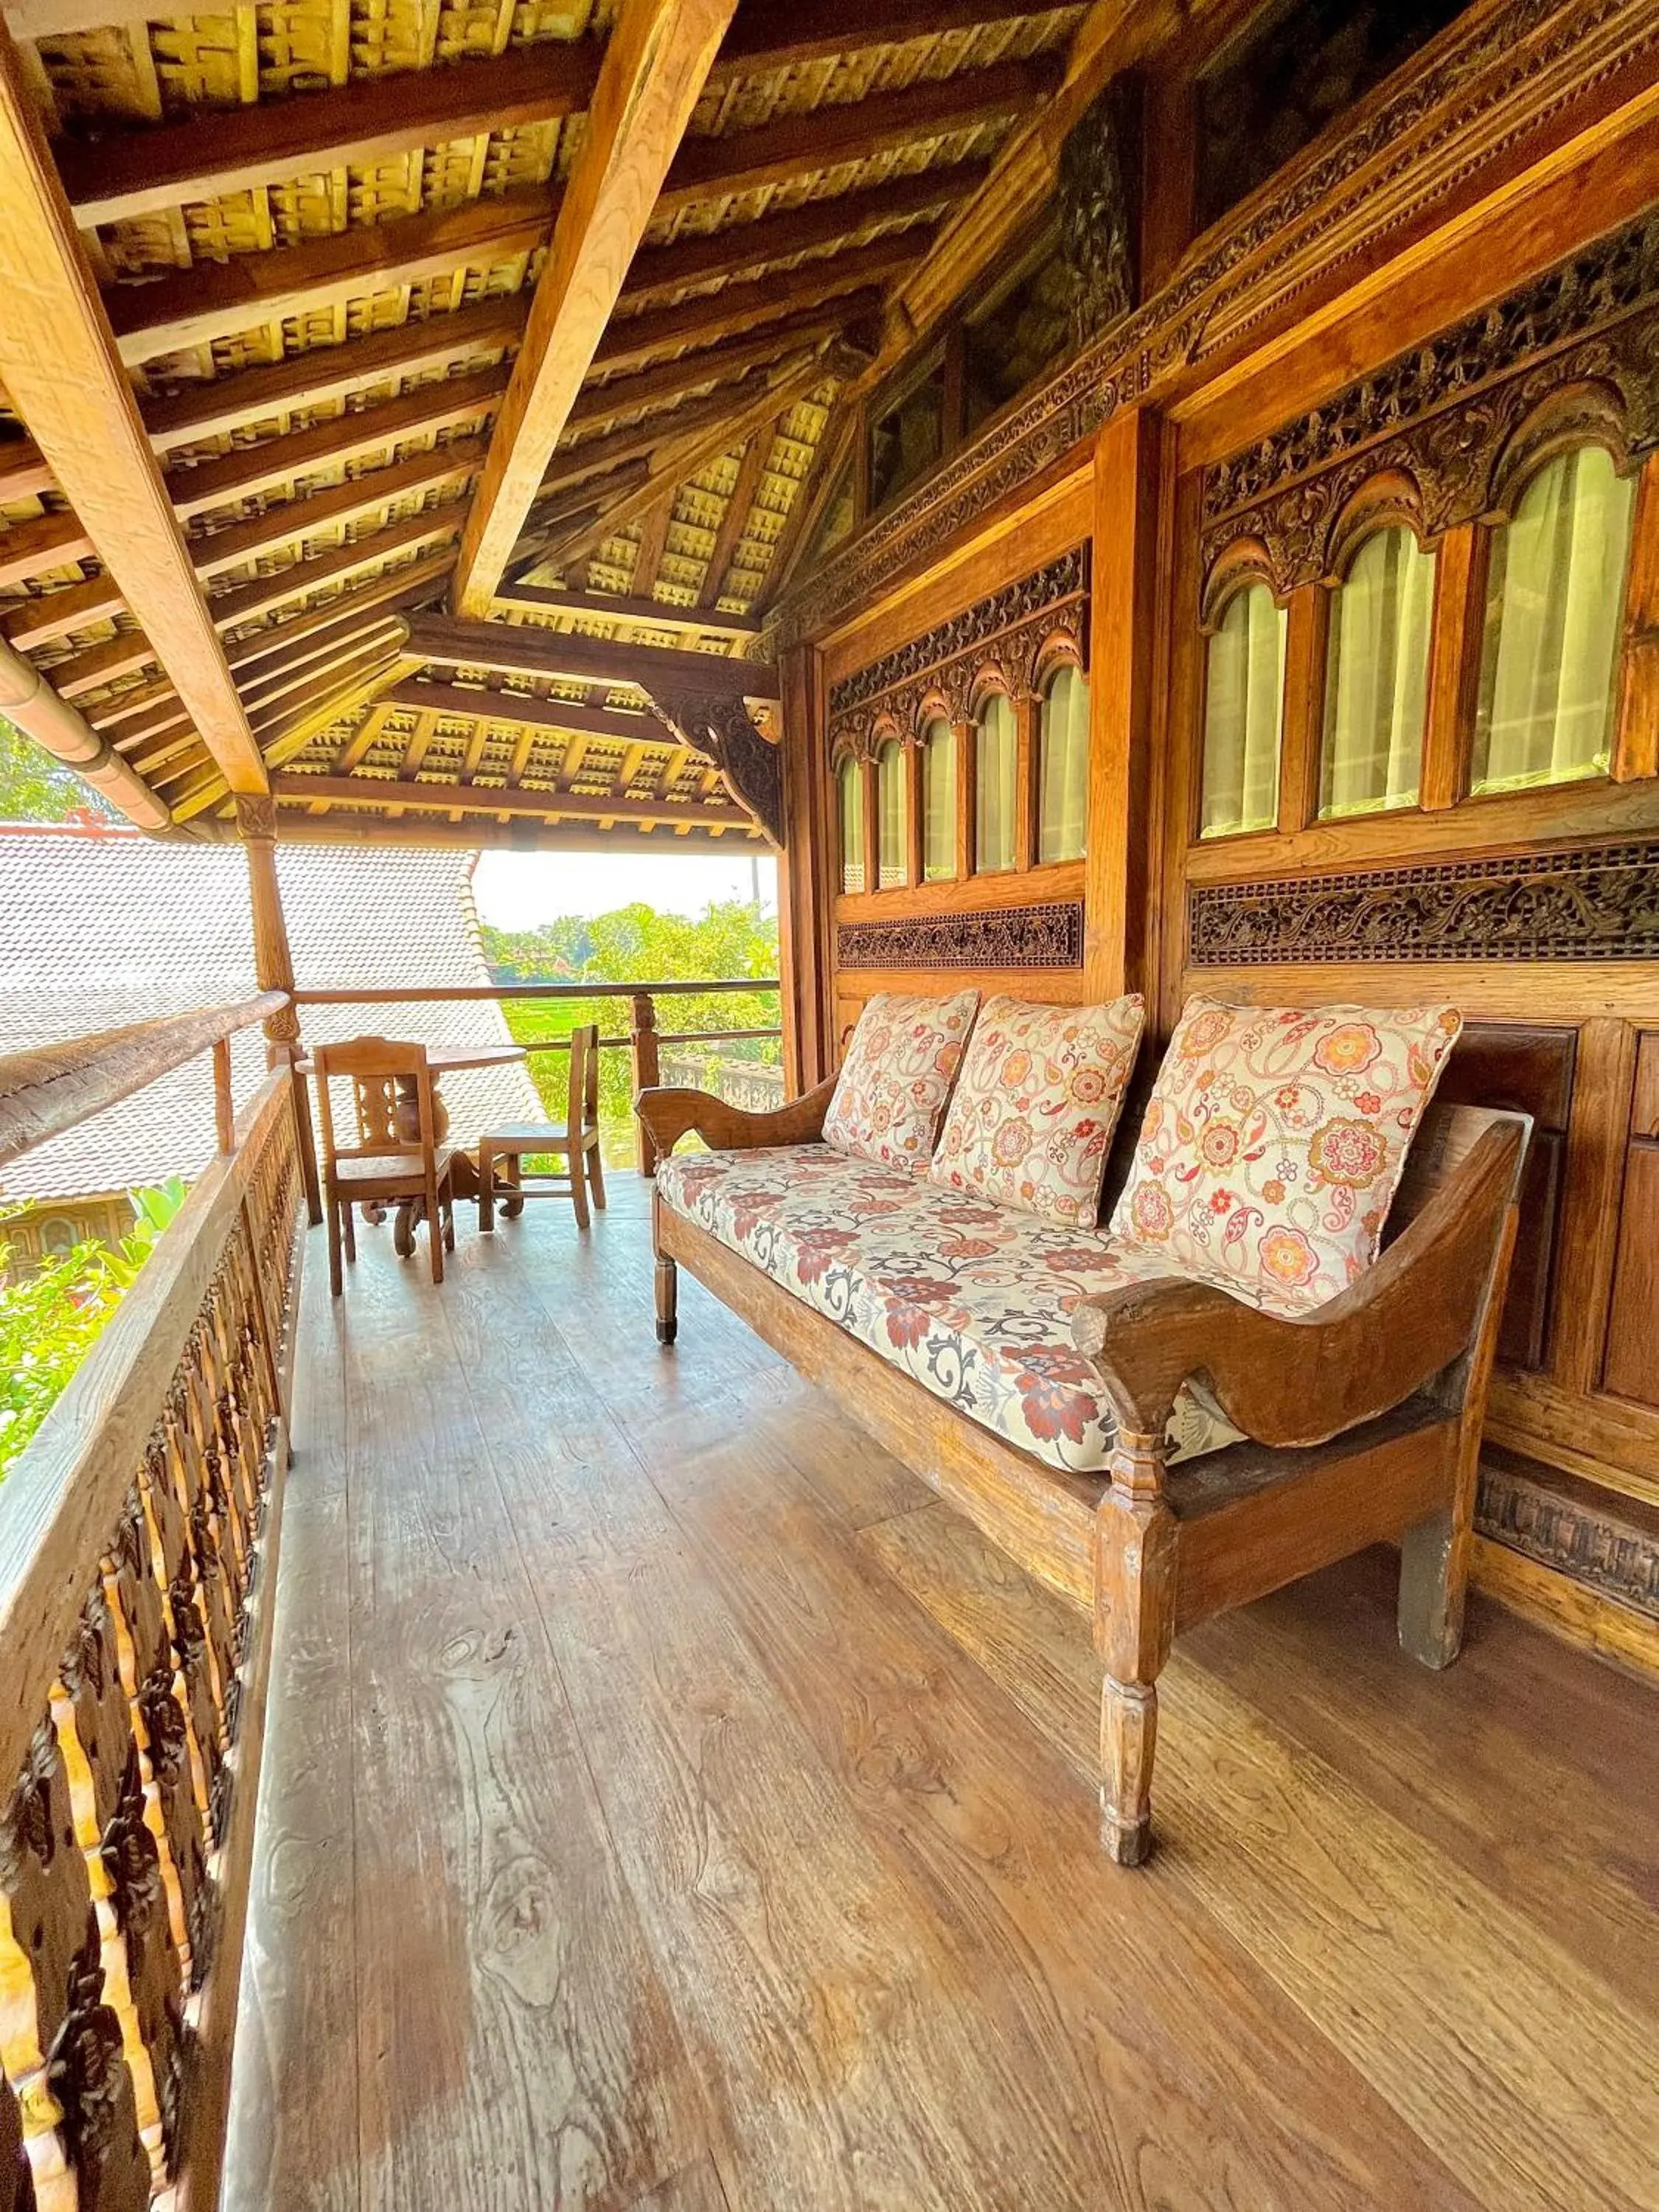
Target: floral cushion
[[896, 1077], [1275, 1140], [972, 1300], [1033, 1113]]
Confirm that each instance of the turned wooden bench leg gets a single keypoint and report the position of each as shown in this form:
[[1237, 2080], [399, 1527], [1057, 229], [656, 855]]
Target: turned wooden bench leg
[[1135, 1540]]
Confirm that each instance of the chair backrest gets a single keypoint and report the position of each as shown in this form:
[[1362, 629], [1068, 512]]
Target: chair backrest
[[582, 1109], [376, 1067]]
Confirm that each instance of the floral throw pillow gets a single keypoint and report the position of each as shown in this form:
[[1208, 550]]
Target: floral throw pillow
[[1275, 1140], [896, 1077], [1033, 1115]]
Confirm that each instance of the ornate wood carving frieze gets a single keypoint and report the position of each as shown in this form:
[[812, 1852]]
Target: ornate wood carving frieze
[[1597, 1544], [1049, 936], [1600, 902], [718, 726], [1097, 230], [1504, 72], [1446, 414], [1016, 632]]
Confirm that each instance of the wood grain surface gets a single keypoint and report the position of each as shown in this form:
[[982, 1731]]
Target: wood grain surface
[[670, 1804]]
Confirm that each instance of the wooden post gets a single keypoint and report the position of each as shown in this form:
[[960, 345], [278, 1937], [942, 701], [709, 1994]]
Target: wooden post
[[647, 1071], [273, 964], [224, 1111]]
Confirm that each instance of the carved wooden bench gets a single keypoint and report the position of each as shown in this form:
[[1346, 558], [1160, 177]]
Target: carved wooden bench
[[1361, 1419]]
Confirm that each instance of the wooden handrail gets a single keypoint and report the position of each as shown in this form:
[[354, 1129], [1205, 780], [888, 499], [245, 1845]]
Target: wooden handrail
[[423, 994], [137, 1555], [49, 1088]]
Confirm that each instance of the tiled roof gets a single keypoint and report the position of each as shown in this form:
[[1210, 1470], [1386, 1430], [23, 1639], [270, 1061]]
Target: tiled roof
[[98, 927]]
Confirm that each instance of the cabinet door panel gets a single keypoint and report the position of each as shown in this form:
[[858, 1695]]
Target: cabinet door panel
[[1632, 1368]]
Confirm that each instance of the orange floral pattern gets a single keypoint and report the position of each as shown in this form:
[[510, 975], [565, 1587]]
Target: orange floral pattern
[[1032, 1118], [971, 1300], [1274, 1143], [896, 1080]]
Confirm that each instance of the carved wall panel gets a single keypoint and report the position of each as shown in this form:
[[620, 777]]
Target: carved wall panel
[[1593, 1542], [1596, 903], [1049, 936], [1017, 630], [1445, 414], [1505, 70]]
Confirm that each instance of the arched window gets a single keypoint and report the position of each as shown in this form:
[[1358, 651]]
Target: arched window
[[850, 779], [1243, 714], [1376, 678], [1555, 592], [1063, 777], [890, 812], [993, 786], [938, 800]]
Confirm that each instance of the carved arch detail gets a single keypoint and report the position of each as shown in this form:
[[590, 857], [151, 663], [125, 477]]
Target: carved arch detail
[[1590, 413], [1390, 500]]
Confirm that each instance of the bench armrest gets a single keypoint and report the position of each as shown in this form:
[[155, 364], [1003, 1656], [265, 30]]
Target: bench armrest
[[1288, 1382], [669, 1114]]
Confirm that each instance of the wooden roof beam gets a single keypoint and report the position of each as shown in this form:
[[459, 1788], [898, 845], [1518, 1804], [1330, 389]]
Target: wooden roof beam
[[244, 601], [290, 520], [629, 607], [571, 464], [288, 676], [716, 364], [191, 307], [771, 33], [250, 469], [851, 130], [468, 702], [485, 798], [395, 589], [659, 53], [522, 834], [514, 649], [850, 279], [365, 120], [742, 247], [62, 377], [735, 520]]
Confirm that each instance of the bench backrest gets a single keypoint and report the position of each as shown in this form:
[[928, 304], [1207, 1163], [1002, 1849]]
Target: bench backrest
[[1448, 1136]]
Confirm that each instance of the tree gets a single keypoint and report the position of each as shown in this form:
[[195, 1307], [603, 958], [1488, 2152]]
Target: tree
[[34, 789]]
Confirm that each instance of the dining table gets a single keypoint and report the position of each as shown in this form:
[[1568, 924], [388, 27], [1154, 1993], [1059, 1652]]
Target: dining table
[[441, 1060]]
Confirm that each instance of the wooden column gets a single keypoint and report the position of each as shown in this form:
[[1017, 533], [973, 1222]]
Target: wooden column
[[1027, 764], [1117, 954], [648, 1072], [273, 964], [806, 879]]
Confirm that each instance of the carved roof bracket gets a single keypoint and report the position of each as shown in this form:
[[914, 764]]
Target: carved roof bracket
[[722, 729]]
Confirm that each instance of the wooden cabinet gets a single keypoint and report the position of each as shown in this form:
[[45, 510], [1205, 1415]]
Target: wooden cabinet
[[1632, 1356]]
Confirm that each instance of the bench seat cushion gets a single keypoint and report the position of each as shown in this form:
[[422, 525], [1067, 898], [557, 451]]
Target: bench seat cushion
[[971, 1299]]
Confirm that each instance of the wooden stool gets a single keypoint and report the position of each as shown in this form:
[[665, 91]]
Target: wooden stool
[[577, 1137]]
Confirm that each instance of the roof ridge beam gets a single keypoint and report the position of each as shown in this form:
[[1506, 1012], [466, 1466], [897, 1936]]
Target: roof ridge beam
[[506, 799], [527, 710], [515, 650]]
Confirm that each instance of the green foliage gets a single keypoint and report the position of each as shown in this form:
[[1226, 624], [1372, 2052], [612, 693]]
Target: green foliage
[[47, 1319], [49, 1316], [34, 787], [637, 944]]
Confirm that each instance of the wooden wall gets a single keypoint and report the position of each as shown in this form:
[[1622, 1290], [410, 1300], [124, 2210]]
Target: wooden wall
[[1446, 362]]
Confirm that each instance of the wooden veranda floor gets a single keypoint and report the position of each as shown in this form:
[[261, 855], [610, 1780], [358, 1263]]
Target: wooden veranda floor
[[668, 1804]]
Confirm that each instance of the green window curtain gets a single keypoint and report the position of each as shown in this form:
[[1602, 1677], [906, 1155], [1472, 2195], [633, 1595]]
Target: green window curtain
[[852, 825], [1064, 779], [891, 811], [938, 792], [1555, 595], [1376, 678], [1244, 715], [993, 786]]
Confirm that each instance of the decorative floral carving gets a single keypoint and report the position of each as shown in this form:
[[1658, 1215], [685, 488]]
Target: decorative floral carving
[[719, 727], [1097, 240], [1452, 415], [1506, 73], [994, 937], [1017, 627], [1594, 1545], [1596, 904]]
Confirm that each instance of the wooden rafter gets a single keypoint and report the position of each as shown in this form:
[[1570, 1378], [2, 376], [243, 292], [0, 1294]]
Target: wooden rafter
[[659, 53], [735, 520], [366, 119], [707, 169], [849, 278], [768, 34], [62, 375], [599, 606], [394, 589], [491, 799], [291, 521], [514, 649], [244, 601], [716, 364], [466, 702]]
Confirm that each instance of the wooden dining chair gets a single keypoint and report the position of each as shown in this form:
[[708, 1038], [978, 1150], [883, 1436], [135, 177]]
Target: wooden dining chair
[[577, 1138], [397, 1159]]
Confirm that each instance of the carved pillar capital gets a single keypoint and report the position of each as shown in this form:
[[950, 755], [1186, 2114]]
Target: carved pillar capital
[[256, 815]]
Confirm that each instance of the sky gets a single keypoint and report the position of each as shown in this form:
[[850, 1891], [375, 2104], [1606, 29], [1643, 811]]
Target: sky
[[521, 890]]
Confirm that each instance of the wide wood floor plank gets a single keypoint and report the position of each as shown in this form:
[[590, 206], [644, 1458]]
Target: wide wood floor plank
[[1527, 2075], [517, 2045]]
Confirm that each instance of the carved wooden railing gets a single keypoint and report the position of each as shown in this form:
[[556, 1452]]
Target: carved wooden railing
[[138, 1541], [643, 1041]]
